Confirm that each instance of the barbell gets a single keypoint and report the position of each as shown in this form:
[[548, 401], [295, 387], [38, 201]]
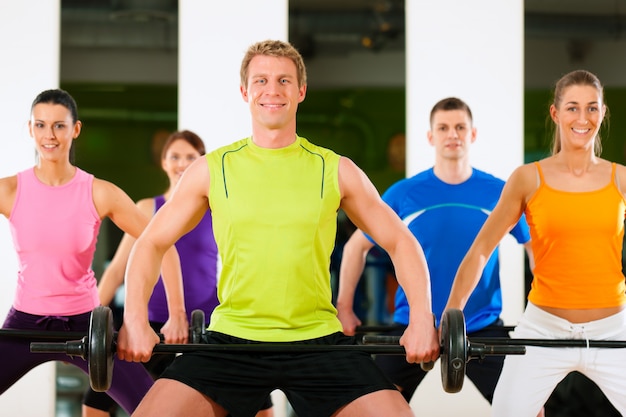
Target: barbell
[[98, 348]]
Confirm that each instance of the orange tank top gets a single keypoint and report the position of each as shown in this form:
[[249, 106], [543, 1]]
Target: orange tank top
[[577, 242]]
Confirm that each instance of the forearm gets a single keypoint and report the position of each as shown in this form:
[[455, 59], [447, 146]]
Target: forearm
[[171, 274], [113, 275], [111, 279], [414, 278], [465, 281], [420, 338], [350, 271], [142, 274]]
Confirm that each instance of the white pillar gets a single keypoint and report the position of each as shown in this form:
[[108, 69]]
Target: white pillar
[[472, 50], [213, 37], [29, 46]]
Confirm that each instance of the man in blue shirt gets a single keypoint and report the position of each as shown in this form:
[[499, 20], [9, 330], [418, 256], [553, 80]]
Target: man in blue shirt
[[444, 207]]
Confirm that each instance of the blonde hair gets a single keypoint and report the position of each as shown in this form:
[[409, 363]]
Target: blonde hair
[[273, 48]]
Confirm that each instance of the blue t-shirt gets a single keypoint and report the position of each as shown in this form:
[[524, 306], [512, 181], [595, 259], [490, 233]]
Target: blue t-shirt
[[445, 219]]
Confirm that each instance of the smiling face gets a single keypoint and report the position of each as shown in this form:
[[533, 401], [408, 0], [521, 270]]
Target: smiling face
[[272, 92], [53, 128], [177, 158], [578, 116]]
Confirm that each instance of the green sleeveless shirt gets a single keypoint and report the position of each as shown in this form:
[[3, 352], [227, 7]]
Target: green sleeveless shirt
[[275, 219]]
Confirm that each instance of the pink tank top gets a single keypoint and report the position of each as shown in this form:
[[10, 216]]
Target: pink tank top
[[54, 233]]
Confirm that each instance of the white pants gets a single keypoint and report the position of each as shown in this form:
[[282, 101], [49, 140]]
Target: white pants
[[528, 380]]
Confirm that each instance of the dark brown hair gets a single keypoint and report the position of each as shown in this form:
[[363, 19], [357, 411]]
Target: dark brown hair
[[448, 104], [186, 135]]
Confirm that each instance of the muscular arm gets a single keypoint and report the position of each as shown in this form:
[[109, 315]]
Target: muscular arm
[[366, 209], [181, 213], [176, 328], [350, 271]]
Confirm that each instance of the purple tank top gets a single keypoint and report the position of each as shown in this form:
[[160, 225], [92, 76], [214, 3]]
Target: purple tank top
[[199, 263]]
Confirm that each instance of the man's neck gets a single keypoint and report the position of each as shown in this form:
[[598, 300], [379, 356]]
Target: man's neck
[[453, 171], [273, 138]]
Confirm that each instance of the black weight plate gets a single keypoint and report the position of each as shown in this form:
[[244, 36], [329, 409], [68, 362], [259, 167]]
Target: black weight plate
[[100, 356], [197, 327], [454, 350]]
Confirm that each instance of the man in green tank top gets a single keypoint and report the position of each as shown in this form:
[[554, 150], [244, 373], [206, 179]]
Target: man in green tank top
[[274, 198]]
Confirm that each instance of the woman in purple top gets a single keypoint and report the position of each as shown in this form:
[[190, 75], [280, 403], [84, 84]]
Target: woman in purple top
[[197, 249], [198, 261]]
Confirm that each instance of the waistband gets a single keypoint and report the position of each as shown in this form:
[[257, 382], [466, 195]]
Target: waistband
[[537, 320]]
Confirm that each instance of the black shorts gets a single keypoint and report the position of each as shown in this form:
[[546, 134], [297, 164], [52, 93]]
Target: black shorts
[[483, 373], [156, 365], [315, 384]]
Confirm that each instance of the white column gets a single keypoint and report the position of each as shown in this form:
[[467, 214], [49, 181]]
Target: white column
[[213, 37], [472, 50], [29, 46]]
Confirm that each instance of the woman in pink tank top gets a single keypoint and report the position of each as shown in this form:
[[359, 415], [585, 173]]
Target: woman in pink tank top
[[55, 210], [575, 206]]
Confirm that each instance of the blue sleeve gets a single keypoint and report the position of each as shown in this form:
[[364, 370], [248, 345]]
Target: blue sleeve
[[521, 231]]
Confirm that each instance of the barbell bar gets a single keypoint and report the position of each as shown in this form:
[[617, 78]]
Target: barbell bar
[[504, 341], [98, 348]]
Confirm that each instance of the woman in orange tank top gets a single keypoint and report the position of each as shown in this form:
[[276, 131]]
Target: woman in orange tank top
[[575, 206]]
